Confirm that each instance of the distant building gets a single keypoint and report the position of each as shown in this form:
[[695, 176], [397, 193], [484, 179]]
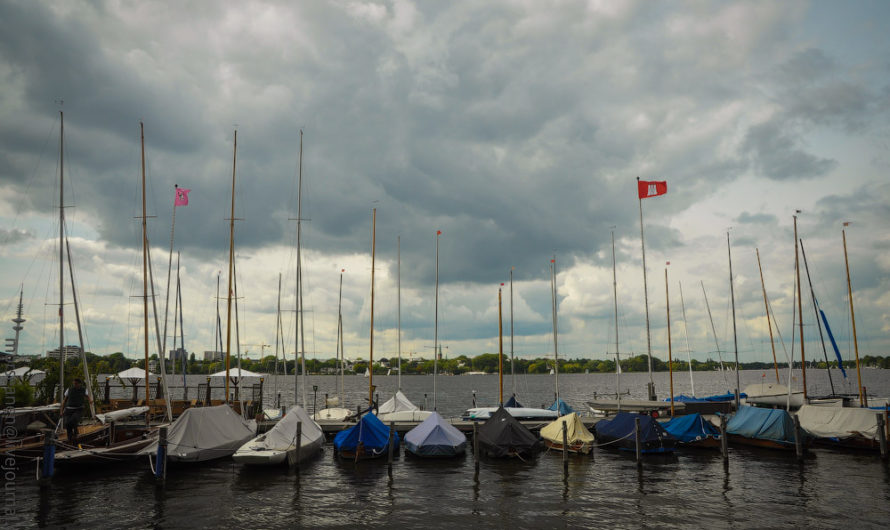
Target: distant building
[[178, 355], [70, 352], [213, 356]]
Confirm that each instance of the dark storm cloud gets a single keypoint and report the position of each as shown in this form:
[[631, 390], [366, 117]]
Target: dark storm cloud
[[776, 154]]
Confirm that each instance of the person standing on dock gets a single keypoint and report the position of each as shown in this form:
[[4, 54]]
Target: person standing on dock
[[72, 408]]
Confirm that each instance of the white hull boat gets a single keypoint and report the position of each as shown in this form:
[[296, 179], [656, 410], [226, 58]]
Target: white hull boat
[[279, 445]]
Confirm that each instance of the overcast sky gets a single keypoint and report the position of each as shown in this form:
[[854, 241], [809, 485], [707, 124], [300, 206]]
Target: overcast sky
[[516, 128]]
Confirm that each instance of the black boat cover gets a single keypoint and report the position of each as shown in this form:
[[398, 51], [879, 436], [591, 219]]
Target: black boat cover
[[502, 435]]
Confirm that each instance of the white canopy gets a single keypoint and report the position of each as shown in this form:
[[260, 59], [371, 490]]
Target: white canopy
[[22, 370], [397, 403], [839, 422], [134, 373], [237, 372]]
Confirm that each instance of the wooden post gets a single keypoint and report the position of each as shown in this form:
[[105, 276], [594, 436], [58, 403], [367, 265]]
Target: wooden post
[[49, 456], [278, 401], [864, 397], [389, 448], [724, 441], [798, 438], [161, 460], [110, 439], [299, 442], [637, 438], [882, 435], [565, 447], [476, 446]]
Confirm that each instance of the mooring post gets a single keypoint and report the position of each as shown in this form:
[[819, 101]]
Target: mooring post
[[882, 434], [278, 401], [724, 442], [565, 446], [425, 405], [474, 399], [49, 456], [161, 457], [207, 397], [637, 438], [798, 438], [392, 429], [299, 442], [476, 445], [865, 397], [283, 411]]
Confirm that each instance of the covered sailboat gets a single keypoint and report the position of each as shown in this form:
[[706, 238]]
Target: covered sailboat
[[205, 433], [512, 403], [503, 436], [693, 430], [435, 437], [400, 408], [771, 428], [848, 427], [561, 407], [620, 432], [369, 438], [578, 438], [280, 443]]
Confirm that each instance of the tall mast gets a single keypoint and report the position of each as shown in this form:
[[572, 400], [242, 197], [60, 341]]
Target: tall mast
[[512, 362], [144, 263], [167, 291], [340, 352], [300, 340], [555, 329], [231, 269], [399, 306], [371, 347], [617, 355], [277, 335], [500, 351], [853, 317], [816, 310], [769, 322], [436, 330], [652, 395], [735, 339], [83, 353], [62, 261], [667, 301], [803, 363], [686, 332]]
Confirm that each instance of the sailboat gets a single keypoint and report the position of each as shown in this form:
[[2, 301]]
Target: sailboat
[[208, 433], [560, 406], [334, 411]]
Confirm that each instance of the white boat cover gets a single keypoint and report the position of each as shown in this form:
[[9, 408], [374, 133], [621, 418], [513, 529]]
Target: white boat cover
[[118, 415], [520, 413], [397, 403], [272, 447], [205, 433], [576, 431], [405, 415], [333, 414], [837, 422]]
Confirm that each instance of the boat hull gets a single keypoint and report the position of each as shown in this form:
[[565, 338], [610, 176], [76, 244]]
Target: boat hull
[[581, 448], [736, 439], [126, 449]]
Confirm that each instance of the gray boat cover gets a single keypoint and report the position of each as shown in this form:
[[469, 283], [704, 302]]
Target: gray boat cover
[[283, 435], [205, 433], [435, 437], [839, 422]]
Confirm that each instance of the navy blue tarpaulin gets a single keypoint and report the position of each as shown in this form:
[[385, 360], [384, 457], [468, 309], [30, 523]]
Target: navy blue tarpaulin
[[512, 403], [620, 432]]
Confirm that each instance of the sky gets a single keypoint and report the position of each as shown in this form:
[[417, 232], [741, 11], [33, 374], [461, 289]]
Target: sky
[[516, 128]]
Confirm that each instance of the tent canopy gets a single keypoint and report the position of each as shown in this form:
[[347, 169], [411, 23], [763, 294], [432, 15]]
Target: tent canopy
[[237, 372], [23, 371], [134, 373], [691, 428], [575, 430], [397, 403], [502, 435], [370, 431], [435, 437]]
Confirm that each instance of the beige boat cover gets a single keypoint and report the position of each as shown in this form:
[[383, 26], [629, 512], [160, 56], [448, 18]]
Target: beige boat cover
[[576, 431], [838, 422]]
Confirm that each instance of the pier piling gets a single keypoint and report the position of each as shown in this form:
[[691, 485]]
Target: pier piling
[[161, 458], [476, 446], [48, 464], [565, 447], [724, 441], [882, 433], [299, 441], [639, 447], [798, 439], [389, 450]]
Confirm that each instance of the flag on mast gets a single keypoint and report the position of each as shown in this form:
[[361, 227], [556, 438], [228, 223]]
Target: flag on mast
[[182, 197], [651, 188]]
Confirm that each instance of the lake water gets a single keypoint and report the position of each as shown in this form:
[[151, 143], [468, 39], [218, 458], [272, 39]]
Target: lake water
[[691, 489]]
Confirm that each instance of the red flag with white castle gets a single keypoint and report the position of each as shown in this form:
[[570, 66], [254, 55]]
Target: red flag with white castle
[[651, 188], [182, 197]]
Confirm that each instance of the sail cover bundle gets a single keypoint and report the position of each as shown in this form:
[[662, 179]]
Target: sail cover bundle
[[205, 433], [691, 428], [502, 435], [370, 432], [621, 430], [435, 437]]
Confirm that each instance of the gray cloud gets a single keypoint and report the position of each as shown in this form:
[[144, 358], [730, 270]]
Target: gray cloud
[[13, 236]]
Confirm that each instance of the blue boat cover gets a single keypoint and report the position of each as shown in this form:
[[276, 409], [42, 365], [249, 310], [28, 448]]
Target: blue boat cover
[[435, 437], [512, 403], [691, 428], [563, 408], [623, 426], [373, 434], [729, 396], [762, 424]]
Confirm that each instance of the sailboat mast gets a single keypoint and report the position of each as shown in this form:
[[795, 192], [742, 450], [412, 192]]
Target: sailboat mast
[[853, 317], [803, 362], [667, 301], [686, 333], [371, 347], [816, 310], [713, 330], [500, 351], [83, 355], [652, 395], [231, 269], [144, 263], [277, 332], [615, 298], [555, 329], [62, 260], [735, 339], [436, 330], [512, 361], [340, 352], [301, 350], [399, 306], [769, 322]]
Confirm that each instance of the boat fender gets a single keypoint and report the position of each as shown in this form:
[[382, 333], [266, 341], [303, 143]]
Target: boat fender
[[655, 414]]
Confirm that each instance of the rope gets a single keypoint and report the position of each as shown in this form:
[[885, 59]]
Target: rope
[[615, 441]]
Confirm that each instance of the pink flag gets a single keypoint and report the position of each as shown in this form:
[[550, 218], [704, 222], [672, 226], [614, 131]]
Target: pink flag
[[182, 197]]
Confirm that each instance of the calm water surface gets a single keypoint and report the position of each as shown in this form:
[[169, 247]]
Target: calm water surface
[[758, 489]]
